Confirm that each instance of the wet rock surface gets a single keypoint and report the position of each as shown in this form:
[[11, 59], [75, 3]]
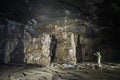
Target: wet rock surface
[[81, 71]]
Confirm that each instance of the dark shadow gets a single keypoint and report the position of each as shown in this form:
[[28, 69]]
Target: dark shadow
[[78, 50], [3, 33], [17, 55], [53, 46], [2, 52]]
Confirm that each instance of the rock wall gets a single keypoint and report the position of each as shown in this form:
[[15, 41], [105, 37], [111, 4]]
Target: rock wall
[[14, 47], [66, 48], [37, 49], [32, 44], [3, 33]]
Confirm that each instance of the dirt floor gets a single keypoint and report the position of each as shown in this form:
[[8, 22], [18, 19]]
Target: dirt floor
[[82, 71]]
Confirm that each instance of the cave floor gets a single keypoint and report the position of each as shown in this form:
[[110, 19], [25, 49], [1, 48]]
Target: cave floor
[[84, 71]]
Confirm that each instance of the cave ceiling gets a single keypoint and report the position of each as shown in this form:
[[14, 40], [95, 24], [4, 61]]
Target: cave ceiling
[[23, 10]]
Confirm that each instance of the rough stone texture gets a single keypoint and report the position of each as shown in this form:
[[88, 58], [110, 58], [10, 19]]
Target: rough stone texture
[[14, 43], [35, 46], [83, 71], [37, 50], [66, 48]]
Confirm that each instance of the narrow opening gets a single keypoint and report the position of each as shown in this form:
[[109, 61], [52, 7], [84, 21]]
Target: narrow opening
[[78, 50], [53, 46]]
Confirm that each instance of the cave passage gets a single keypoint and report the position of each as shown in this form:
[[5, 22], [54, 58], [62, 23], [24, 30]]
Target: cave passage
[[78, 50], [53, 46]]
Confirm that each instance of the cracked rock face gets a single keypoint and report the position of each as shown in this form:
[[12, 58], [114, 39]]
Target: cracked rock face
[[33, 44]]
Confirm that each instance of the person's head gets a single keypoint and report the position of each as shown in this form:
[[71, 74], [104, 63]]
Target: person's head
[[98, 53]]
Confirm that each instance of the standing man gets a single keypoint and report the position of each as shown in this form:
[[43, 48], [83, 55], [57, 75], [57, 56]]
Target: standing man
[[98, 58]]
